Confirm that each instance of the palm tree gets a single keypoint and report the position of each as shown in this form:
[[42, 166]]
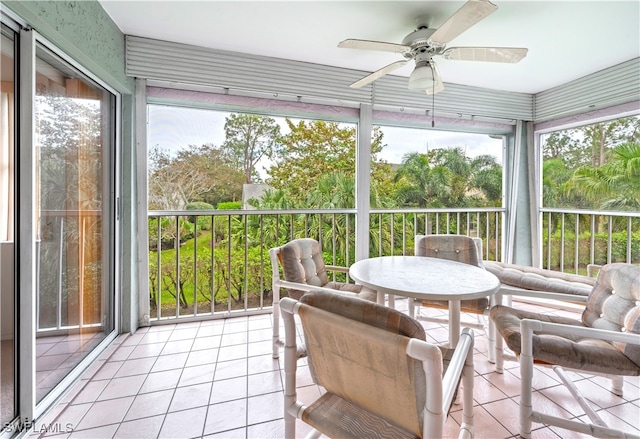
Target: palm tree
[[615, 185], [424, 183]]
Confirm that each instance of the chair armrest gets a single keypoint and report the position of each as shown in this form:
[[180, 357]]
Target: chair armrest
[[302, 287], [516, 291], [431, 356], [462, 355], [337, 268], [530, 326]]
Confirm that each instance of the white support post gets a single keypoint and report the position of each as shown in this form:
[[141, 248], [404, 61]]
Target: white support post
[[363, 181]]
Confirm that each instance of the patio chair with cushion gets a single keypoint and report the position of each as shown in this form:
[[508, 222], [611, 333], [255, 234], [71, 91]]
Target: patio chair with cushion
[[460, 248], [304, 269], [606, 341], [528, 283], [381, 379]]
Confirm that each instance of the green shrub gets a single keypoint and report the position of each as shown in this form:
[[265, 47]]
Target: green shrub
[[204, 222], [230, 205], [199, 205]]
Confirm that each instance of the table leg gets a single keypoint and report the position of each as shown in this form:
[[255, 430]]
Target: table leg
[[454, 323], [380, 298], [392, 301]]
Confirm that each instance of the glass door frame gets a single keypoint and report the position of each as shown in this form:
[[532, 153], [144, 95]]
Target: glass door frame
[[11, 24], [29, 410]]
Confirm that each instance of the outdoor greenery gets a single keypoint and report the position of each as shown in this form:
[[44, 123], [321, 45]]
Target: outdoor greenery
[[219, 259], [69, 193]]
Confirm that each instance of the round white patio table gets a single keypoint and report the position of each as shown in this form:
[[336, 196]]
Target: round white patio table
[[427, 278]]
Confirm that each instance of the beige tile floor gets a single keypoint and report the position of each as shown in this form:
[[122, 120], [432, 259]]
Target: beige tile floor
[[217, 379]]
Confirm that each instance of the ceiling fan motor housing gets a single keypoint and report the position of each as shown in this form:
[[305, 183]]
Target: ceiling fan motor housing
[[420, 43]]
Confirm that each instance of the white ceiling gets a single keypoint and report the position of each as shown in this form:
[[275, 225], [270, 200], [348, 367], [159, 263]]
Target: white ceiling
[[566, 39]]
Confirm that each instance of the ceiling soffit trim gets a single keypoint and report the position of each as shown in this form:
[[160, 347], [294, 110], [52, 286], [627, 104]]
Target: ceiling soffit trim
[[616, 85], [238, 73]]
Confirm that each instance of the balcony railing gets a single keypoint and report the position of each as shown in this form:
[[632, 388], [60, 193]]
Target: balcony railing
[[69, 271], [205, 264], [572, 239], [215, 263]]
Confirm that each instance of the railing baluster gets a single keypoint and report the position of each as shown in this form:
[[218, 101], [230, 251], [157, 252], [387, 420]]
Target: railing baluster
[[229, 294], [549, 242], [404, 233], [262, 250], [629, 230], [379, 234], [577, 243], [195, 266], [159, 298], [177, 247], [562, 243], [609, 239], [213, 264], [393, 234], [246, 263], [592, 239]]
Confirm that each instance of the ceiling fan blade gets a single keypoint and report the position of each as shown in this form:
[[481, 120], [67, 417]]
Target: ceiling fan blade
[[373, 45], [469, 14], [488, 54], [378, 73]]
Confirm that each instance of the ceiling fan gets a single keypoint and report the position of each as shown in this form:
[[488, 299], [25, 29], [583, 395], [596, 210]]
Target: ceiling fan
[[424, 43]]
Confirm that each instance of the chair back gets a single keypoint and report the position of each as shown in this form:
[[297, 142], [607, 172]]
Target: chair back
[[614, 304], [460, 248], [302, 262], [357, 350]]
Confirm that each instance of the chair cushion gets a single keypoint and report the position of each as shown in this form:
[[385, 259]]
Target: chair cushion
[[357, 351], [614, 304], [360, 291], [539, 279], [370, 313], [458, 248], [302, 262], [339, 418], [574, 352]]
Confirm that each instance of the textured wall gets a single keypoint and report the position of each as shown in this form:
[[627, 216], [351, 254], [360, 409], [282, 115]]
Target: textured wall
[[84, 31]]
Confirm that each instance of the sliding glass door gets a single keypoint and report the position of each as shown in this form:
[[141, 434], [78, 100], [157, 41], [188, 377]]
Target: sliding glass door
[[74, 209]]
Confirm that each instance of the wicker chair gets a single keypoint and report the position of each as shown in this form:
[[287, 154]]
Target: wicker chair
[[381, 378]]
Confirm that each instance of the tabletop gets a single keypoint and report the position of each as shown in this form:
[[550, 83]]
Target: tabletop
[[423, 277]]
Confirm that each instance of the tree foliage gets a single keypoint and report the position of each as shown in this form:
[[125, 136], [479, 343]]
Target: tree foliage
[[249, 138], [446, 177], [613, 186], [313, 149], [592, 167], [197, 173]]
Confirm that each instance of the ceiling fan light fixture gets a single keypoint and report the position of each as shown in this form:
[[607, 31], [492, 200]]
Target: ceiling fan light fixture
[[422, 77]]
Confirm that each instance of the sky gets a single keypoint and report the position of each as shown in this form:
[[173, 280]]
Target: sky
[[174, 127]]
